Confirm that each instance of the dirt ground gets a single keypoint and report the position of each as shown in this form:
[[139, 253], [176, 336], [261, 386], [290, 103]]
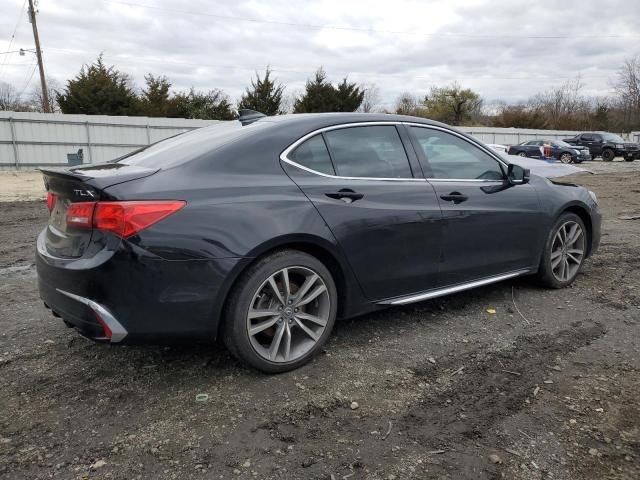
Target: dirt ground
[[548, 387]]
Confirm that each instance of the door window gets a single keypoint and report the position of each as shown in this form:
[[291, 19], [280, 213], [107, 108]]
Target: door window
[[313, 154], [449, 156], [587, 137], [369, 152]]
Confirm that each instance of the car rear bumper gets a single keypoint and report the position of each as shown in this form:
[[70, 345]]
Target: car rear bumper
[[130, 296]]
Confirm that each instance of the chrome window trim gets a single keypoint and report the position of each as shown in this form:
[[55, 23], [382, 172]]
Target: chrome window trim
[[284, 155]]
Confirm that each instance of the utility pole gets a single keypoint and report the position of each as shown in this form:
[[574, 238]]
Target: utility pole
[[36, 38]]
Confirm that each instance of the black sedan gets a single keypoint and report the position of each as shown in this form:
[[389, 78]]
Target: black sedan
[[263, 231], [558, 149]]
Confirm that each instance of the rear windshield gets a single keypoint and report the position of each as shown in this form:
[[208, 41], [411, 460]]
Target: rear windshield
[[189, 145]]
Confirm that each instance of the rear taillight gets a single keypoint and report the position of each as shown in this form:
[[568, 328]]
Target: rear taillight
[[128, 218], [80, 215], [122, 218], [51, 201]]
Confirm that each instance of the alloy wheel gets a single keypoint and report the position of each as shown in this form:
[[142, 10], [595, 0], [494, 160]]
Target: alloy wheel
[[522, 154], [288, 314], [567, 251], [566, 158]]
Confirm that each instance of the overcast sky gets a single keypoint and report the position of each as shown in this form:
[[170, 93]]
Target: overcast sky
[[502, 49]]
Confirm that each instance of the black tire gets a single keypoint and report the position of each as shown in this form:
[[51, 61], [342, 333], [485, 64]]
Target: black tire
[[235, 334], [629, 159], [608, 155], [545, 272]]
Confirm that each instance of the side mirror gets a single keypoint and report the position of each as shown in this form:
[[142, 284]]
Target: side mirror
[[516, 175]]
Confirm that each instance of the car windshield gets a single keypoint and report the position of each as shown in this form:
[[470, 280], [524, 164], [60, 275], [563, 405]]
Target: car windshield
[[612, 137]]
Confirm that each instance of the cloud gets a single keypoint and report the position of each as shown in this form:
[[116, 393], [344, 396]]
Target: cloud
[[400, 46]]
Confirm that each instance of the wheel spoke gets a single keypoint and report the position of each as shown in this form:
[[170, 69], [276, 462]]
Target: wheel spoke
[[575, 236], [574, 259], [311, 318], [308, 283], [575, 251], [285, 282], [307, 330], [563, 266], [261, 313], [287, 342], [275, 343], [276, 290], [556, 254], [311, 296], [262, 326], [555, 262]]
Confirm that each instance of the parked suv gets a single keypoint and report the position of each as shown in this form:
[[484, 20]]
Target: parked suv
[[606, 145]]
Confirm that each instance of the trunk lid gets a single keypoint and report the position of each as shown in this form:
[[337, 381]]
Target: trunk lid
[[80, 184]]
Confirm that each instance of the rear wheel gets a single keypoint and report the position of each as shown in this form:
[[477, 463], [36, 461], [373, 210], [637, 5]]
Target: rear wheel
[[281, 312], [608, 155], [522, 154], [564, 251]]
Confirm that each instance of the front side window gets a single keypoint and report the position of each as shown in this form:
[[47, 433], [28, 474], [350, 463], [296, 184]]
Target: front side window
[[370, 152], [313, 154], [451, 157]]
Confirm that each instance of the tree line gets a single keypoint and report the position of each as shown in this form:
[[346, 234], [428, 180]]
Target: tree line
[[101, 89]]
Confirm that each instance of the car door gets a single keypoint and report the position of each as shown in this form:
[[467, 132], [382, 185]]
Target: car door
[[588, 140], [491, 227], [366, 185]]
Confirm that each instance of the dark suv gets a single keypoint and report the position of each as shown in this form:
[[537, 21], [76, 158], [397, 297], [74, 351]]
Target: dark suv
[[606, 145]]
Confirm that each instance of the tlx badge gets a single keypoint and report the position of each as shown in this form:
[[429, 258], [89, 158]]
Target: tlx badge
[[83, 193]]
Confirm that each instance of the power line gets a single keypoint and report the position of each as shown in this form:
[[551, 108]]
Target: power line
[[308, 70], [35, 65], [360, 29], [13, 35]]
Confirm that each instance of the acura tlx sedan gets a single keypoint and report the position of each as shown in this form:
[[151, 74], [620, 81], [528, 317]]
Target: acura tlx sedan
[[263, 231]]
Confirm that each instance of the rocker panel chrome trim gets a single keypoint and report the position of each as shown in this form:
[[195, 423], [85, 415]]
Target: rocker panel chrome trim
[[452, 289]]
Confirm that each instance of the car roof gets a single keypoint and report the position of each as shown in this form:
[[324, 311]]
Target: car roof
[[320, 120]]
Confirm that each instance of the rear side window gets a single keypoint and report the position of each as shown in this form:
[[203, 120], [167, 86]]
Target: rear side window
[[370, 152], [313, 154], [449, 156]]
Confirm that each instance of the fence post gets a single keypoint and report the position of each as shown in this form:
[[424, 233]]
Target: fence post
[[12, 127], [148, 135], [86, 125]]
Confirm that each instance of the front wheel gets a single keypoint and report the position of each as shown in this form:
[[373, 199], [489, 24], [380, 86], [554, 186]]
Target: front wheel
[[522, 154], [281, 312], [564, 252]]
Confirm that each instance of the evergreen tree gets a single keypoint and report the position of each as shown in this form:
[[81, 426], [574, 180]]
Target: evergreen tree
[[99, 90], [264, 96], [321, 96], [155, 100], [349, 96]]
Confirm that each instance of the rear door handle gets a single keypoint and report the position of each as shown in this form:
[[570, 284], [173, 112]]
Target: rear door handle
[[345, 194], [455, 197]]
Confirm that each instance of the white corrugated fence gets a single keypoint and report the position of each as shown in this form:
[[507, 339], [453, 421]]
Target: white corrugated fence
[[34, 139]]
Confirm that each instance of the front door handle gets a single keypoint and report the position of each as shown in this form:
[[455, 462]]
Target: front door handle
[[455, 197], [345, 194]]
